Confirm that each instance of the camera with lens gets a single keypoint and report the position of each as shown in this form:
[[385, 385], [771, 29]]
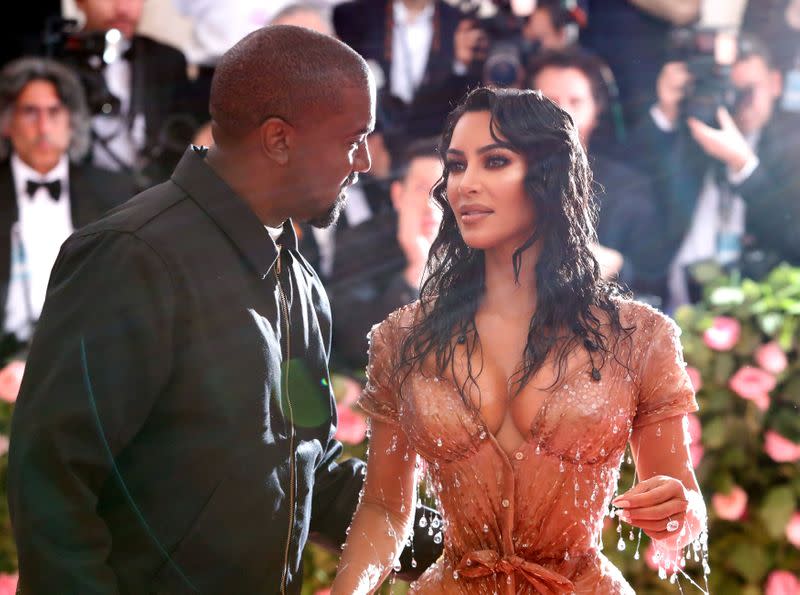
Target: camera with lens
[[509, 51], [87, 54], [709, 55]]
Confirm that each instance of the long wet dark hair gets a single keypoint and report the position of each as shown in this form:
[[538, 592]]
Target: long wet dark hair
[[568, 284]]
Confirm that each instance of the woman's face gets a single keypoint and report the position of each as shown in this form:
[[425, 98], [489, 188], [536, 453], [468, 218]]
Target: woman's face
[[485, 187]]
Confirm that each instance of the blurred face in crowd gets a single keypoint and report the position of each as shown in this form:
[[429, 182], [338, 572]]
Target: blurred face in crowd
[[762, 86], [39, 128], [310, 19], [485, 187], [102, 15], [572, 91], [540, 28], [411, 196]]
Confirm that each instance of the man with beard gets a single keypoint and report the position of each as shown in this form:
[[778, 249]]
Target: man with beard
[[174, 431]]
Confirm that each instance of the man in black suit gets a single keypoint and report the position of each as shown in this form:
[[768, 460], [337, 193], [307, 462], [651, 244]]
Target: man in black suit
[[728, 192], [147, 128], [174, 430], [424, 52], [45, 192]]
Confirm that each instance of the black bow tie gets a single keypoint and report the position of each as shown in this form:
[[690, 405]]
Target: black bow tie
[[54, 188]]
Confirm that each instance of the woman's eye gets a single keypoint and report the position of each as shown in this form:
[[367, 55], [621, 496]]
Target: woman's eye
[[496, 161], [452, 166]]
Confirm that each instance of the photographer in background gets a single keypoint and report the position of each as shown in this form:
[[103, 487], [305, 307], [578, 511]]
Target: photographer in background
[[554, 24], [421, 52], [631, 37], [135, 87], [729, 189]]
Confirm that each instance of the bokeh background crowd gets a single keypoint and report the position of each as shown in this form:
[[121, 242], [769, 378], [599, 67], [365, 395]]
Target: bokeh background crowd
[[689, 111]]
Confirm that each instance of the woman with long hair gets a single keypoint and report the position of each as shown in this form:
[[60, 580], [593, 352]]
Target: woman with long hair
[[519, 378]]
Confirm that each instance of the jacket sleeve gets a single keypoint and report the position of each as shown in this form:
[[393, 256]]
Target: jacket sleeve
[[100, 357], [773, 210]]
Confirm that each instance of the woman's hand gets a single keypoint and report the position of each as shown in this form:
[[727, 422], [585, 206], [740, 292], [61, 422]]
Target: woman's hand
[[657, 505]]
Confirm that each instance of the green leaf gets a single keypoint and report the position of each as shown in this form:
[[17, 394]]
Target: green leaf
[[776, 509], [714, 433], [726, 296], [752, 563], [770, 323], [786, 337], [724, 367]]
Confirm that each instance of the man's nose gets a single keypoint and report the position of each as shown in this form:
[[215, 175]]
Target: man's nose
[[363, 160]]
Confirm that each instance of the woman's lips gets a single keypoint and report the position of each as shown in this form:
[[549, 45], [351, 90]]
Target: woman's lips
[[474, 214]]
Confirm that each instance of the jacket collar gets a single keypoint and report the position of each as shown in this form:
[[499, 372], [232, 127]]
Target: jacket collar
[[230, 212]]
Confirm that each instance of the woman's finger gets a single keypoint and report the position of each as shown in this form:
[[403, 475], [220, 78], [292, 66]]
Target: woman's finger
[[659, 512], [657, 495]]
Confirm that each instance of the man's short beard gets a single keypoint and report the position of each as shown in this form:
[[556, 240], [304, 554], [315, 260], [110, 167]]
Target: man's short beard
[[331, 215]]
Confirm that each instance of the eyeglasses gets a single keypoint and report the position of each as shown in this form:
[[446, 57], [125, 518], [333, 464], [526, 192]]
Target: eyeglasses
[[32, 113]]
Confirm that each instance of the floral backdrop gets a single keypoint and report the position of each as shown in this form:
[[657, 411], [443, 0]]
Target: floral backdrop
[[741, 345]]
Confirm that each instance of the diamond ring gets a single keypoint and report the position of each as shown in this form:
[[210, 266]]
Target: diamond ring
[[673, 525]]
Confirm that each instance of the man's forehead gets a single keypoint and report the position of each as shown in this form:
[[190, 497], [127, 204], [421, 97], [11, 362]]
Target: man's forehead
[[358, 110]]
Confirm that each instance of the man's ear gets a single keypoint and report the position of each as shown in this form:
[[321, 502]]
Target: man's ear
[[277, 139]]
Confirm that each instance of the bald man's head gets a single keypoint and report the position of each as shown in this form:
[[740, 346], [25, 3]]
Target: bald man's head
[[282, 71]]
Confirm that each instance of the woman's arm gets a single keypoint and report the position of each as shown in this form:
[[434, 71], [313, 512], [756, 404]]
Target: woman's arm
[[383, 519], [668, 493]]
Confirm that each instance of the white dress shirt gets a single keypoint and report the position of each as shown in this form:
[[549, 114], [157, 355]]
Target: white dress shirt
[[411, 46], [123, 139], [36, 239]]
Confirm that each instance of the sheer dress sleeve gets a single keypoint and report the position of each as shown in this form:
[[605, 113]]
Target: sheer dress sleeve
[[665, 388], [379, 399]]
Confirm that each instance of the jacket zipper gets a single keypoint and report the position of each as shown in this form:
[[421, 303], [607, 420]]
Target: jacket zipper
[[285, 313]]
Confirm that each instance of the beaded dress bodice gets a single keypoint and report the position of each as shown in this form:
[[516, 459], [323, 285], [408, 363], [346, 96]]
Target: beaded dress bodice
[[530, 521]]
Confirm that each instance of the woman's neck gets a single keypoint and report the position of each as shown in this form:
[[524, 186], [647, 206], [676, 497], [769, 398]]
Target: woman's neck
[[503, 294]]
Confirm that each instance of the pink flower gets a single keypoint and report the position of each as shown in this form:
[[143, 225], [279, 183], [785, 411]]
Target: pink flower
[[695, 428], [732, 506], [753, 384], [650, 557], [346, 390], [8, 584], [771, 358], [782, 582], [10, 380], [694, 376], [780, 449], [352, 428], [793, 530], [696, 452], [723, 334]]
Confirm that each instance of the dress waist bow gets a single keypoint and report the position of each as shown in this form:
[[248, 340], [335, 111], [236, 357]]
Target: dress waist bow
[[487, 562]]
